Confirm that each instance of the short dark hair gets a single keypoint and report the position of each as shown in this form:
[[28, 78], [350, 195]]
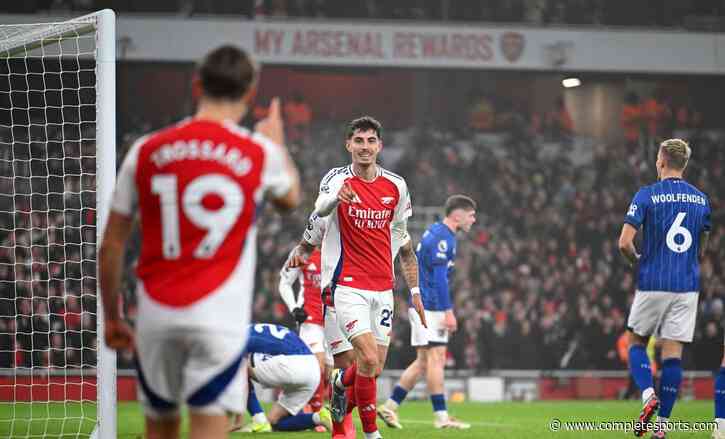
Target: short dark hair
[[459, 202], [226, 72], [363, 124]]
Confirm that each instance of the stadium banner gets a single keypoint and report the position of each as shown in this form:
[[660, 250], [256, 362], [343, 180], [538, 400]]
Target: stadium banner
[[463, 45]]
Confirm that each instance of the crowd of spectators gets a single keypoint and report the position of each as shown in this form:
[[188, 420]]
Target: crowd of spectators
[[663, 13], [538, 282], [47, 247]]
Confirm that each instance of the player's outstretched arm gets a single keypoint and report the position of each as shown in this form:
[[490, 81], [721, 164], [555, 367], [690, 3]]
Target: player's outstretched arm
[[287, 277], [626, 244], [118, 334], [409, 264], [300, 254], [311, 238], [272, 127], [326, 203]]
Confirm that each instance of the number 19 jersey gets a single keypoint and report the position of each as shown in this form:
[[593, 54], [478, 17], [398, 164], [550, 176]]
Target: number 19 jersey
[[673, 214], [197, 187]]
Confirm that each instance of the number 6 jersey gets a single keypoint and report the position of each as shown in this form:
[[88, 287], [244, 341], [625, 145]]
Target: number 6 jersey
[[197, 187], [673, 214]]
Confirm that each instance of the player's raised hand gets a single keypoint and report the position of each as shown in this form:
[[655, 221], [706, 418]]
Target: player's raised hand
[[418, 305], [272, 126], [118, 334], [347, 194], [450, 321], [299, 257]]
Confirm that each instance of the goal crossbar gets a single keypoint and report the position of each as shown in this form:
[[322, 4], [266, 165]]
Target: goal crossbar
[[49, 33]]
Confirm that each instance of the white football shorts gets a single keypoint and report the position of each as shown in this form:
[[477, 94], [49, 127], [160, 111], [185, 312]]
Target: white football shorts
[[666, 315], [314, 337], [203, 369], [361, 311], [435, 335], [297, 375], [336, 341]]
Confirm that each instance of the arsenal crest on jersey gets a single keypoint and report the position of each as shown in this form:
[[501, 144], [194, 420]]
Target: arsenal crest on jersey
[[512, 45]]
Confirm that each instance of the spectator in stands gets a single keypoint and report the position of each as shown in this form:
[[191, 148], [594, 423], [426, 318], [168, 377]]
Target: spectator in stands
[[482, 114], [298, 117], [632, 120], [559, 124], [655, 113], [550, 216]]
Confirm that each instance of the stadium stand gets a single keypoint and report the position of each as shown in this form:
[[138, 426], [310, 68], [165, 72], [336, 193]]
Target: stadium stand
[[540, 270], [704, 15]]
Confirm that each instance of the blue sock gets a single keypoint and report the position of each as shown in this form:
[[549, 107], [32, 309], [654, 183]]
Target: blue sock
[[301, 421], [253, 405], [439, 402], [399, 394], [639, 367], [669, 385], [720, 394]]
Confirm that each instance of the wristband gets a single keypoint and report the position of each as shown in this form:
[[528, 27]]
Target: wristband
[[414, 291]]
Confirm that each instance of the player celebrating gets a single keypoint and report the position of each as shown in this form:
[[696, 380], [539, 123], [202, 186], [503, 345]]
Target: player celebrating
[[279, 359], [436, 254], [367, 206], [307, 311], [337, 345], [675, 219], [196, 187]]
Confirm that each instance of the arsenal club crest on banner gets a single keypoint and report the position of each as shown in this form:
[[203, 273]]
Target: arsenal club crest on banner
[[512, 45]]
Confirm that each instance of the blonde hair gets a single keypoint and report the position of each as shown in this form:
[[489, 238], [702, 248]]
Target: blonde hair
[[677, 152]]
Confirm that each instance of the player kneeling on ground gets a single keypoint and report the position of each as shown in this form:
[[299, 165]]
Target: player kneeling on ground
[[279, 359]]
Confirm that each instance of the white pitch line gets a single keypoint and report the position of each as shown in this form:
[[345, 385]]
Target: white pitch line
[[475, 423]]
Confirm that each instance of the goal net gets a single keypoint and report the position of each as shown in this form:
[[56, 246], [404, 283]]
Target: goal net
[[57, 165]]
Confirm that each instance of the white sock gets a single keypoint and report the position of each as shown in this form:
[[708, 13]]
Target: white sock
[[260, 418], [316, 418], [338, 382], [373, 435], [649, 391], [392, 405], [441, 416], [720, 424]]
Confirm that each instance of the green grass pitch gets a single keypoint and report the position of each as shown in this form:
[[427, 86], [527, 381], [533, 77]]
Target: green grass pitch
[[497, 421]]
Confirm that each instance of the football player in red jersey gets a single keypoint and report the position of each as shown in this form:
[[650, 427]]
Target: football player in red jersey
[[307, 312], [337, 344], [195, 187], [368, 208]]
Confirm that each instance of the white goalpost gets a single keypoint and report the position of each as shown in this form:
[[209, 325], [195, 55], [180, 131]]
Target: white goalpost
[[57, 171]]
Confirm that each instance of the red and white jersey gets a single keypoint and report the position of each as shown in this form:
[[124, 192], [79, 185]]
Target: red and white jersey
[[309, 297], [197, 187], [357, 248]]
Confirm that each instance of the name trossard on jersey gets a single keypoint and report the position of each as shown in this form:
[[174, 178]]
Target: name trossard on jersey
[[673, 214], [196, 187]]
